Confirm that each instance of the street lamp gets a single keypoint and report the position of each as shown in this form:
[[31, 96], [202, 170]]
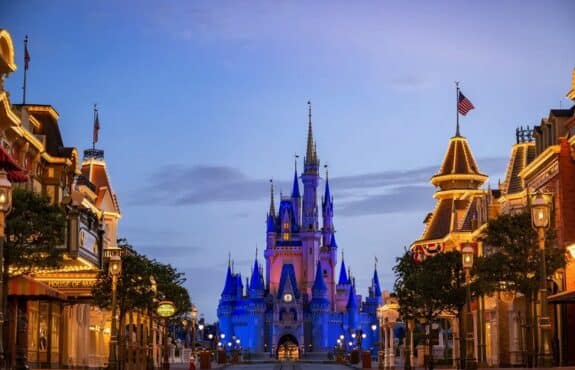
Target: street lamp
[[467, 253], [166, 309], [540, 217], [150, 362], [5, 205], [194, 316], [114, 269]]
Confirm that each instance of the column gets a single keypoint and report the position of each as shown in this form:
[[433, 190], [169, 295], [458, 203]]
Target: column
[[391, 346], [456, 351]]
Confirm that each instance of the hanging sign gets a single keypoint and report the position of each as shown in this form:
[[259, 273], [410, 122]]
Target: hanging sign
[[166, 309]]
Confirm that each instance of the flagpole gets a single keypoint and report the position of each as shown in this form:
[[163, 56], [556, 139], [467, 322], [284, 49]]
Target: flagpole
[[25, 70], [457, 107], [93, 136]]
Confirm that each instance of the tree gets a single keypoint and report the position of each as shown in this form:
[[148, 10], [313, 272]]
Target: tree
[[429, 289], [512, 262], [35, 234]]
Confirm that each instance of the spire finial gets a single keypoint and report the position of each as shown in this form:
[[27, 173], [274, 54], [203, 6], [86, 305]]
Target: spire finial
[[229, 259], [296, 156], [272, 203], [326, 172], [310, 158], [256, 252], [342, 254], [376, 262]]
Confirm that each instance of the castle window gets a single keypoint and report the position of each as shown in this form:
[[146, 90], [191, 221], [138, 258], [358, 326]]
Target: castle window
[[324, 273], [285, 236]]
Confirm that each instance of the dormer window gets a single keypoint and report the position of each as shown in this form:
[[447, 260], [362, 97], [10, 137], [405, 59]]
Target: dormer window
[[285, 236]]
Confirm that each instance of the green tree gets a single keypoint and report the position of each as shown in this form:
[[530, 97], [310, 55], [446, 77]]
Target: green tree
[[512, 261], [35, 234], [429, 289]]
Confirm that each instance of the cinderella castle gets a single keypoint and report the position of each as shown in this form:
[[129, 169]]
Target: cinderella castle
[[296, 304]]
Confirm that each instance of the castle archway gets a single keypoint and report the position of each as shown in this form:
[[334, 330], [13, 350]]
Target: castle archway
[[288, 348]]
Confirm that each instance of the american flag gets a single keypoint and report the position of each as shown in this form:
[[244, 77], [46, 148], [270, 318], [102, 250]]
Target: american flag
[[96, 127], [463, 104]]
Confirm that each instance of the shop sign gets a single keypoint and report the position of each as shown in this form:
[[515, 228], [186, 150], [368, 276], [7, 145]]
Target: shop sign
[[166, 309]]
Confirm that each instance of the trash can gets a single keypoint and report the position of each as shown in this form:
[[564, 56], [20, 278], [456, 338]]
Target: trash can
[[205, 360], [366, 360], [354, 357]]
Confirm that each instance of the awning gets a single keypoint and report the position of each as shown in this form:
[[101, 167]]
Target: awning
[[26, 286], [563, 297], [7, 163]]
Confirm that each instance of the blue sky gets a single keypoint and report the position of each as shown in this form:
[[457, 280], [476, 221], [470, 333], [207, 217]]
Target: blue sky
[[201, 102]]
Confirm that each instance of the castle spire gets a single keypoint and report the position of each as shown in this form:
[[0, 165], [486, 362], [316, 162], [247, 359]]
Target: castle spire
[[343, 279], [311, 149], [318, 284], [295, 189], [272, 211]]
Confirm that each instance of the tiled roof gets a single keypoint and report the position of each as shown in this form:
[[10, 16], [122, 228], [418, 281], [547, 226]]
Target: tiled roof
[[521, 155], [440, 221], [458, 160]]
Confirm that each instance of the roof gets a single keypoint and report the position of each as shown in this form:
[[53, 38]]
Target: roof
[[351, 301], [459, 160], [343, 279], [295, 189], [95, 172], [286, 206], [521, 155], [288, 280], [229, 286], [26, 286], [256, 279], [319, 286], [375, 284]]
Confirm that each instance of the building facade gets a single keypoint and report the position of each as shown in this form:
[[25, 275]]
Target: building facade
[[49, 311], [296, 305]]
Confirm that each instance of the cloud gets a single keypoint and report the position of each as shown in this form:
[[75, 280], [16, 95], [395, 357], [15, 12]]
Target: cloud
[[369, 193], [398, 199]]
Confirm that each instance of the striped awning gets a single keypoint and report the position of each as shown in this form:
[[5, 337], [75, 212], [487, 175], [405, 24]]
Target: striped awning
[[28, 287], [7, 163]]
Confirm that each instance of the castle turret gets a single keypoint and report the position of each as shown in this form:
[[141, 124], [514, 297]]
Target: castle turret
[[256, 307], [327, 215], [295, 196], [352, 310], [320, 311], [227, 301]]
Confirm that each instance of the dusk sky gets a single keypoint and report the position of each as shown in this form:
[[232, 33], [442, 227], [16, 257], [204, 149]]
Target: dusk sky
[[202, 102]]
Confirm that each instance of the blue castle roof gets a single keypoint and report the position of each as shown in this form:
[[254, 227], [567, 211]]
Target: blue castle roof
[[295, 190], [333, 243], [256, 282], [271, 224], [229, 286], [288, 275], [375, 284], [318, 284], [286, 206], [351, 303], [343, 279]]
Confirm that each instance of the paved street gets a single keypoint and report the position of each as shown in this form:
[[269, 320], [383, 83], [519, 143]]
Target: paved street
[[288, 366]]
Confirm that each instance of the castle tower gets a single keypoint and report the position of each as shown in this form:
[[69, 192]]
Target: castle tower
[[310, 234], [296, 197], [320, 312], [327, 214], [256, 308]]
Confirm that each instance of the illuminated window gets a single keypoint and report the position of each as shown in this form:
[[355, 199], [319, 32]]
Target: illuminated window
[[285, 236]]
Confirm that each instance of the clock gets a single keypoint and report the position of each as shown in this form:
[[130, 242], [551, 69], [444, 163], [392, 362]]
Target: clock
[[288, 297]]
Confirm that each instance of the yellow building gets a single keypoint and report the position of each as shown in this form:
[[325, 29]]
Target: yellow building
[[63, 328]]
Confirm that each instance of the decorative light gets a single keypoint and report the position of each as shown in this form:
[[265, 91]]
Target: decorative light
[[219, 344], [338, 341], [238, 341], [210, 336], [540, 210], [5, 192], [341, 336], [571, 250], [222, 335], [467, 256], [201, 327], [363, 335], [353, 335], [350, 344], [229, 344], [373, 327]]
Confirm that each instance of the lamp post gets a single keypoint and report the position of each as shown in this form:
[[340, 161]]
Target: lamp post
[[113, 255], [166, 309], [467, 262], [150, 362], [540, 217], [5, 205], [409, 357], [194, 316]]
